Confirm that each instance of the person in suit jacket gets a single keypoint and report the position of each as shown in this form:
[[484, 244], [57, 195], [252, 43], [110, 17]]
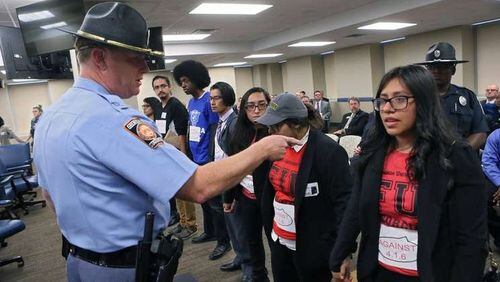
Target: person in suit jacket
[[322, 105], [303, 200], [419, 198], [353, 123]]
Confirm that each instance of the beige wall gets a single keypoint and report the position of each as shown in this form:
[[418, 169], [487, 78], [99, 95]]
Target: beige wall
[[299, 75], [488, 56], [354, 71], [244, 80], [413, 49]]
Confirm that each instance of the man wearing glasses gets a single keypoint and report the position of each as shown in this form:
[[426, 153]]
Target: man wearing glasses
[[459, 103], [173, 124]]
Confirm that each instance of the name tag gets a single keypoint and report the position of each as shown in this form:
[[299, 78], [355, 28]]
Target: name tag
[[163, 115], [312, 189], [284, 216], [162, 125], [397, 247], [194, 133]]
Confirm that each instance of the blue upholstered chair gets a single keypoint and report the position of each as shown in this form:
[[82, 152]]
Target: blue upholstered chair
[[9, 227], [19, 186]]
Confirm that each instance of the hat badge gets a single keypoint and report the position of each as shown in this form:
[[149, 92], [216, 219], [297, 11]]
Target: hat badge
[[437, 53]]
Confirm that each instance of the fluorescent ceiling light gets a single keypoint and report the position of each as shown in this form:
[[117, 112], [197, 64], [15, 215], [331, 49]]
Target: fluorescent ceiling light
[[392, 40], [54, 25], [312, 44], [230, 64], [2, 71], [386, 26], [169, 61], [185, 37], [25, 81], [486, 22], [1, 59], [35, 16], [256, 56], [282, 62], [327, 53], [229, 9]]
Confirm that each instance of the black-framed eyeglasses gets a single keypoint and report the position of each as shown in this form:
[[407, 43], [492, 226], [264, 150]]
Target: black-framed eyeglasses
[[397, 103], [215, 98], [162, 86], [251, 107]]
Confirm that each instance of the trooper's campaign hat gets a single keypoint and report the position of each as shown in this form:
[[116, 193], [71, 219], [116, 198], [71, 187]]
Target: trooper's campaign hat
[[439, 53]]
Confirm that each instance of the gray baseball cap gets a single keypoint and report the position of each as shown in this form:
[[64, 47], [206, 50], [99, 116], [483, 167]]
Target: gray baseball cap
[[283, 107]]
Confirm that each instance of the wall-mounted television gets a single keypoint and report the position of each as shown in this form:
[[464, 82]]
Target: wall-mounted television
[[156, 44], [39, 23], [18, 65]]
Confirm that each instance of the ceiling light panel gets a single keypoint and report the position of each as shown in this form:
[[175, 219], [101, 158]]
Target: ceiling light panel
[[54, 25], [231, 64], [35, 16], [185, 37], [258, 56], [312, 44], [229, 9], [386, 26], [392, 40]]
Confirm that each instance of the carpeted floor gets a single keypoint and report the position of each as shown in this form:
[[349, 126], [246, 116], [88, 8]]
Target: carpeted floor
[[40, 245]]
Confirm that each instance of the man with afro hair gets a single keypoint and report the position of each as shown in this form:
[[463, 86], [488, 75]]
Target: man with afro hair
[[193, 77]]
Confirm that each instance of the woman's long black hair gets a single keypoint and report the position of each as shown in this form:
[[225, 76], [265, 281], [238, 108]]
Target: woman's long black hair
[[432, 130], [155, 105], [245, 130]]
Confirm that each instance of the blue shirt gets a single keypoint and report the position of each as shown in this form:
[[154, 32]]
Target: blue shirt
[[201, 118], [104, 168], [491, 158]]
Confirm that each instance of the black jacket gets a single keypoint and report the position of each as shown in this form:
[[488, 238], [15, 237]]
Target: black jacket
[[259, 176], [224, 137], [451, 221], [317, 217], [357, 124]]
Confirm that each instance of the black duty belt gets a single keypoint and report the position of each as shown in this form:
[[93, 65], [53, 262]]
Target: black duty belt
[[124, 258]]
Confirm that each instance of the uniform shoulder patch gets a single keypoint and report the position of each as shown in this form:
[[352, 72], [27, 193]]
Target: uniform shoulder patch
[[144, 132]]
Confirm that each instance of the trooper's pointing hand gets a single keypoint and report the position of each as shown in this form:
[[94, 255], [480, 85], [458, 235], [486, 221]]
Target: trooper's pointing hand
[[275, 146]]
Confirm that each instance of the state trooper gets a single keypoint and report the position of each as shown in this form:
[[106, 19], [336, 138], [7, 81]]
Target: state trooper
[[459, 103], [101, 164]]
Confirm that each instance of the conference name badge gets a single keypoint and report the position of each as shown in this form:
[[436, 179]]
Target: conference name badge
[[144, 132], [397, 247]]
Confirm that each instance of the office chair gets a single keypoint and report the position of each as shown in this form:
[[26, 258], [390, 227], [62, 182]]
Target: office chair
[[9, 227]]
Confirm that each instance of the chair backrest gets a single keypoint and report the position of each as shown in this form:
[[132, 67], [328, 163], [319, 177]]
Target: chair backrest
[[349, 143], [333, 136], [15, 154]]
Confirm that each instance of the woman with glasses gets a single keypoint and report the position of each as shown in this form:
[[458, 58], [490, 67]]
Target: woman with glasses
[[247, 194], [418, 197], [305, 195]]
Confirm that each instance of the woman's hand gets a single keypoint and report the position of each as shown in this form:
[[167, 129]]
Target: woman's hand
[[229, 208], [345, 272]]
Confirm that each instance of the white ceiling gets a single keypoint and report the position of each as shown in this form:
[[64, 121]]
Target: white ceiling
[[290, 21]]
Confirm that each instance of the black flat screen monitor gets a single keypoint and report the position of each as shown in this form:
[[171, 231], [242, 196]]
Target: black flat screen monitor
[[18, 65], [156, 44], [39, 23]]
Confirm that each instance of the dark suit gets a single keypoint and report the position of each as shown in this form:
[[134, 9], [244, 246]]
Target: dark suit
[[357, 124], [451, 221], [317, 217]]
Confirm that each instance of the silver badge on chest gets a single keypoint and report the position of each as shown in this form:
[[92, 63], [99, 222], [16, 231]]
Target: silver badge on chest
[[462, 101]]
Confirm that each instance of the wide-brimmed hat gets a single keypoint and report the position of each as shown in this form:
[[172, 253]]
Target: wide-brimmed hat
[[440, 53], [283, 107], [116, 24]]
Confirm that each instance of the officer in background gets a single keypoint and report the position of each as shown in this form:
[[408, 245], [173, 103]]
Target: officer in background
[[459, 103], [101, 164]]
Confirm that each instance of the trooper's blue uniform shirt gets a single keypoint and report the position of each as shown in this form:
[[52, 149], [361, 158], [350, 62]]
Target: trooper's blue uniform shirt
[[464, 111], [104, 167]]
